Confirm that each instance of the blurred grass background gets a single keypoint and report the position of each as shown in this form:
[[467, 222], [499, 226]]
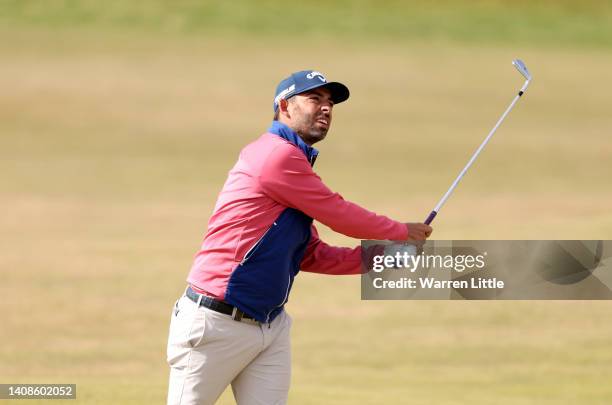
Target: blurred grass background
[[120, 120], [546, 21]]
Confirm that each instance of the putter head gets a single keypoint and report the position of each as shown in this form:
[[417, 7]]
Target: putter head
[[520, 66]]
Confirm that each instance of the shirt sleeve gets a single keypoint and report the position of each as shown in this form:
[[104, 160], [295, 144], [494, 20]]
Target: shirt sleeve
[[320, 257], [288, 178]]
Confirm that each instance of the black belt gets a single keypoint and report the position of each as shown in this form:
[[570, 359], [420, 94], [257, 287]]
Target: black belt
[[218, 306]]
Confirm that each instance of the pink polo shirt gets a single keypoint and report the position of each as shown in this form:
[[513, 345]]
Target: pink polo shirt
[[271, 175]]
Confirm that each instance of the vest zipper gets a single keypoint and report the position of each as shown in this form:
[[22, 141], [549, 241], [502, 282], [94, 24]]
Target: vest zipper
[[253, 248], [282, 303]]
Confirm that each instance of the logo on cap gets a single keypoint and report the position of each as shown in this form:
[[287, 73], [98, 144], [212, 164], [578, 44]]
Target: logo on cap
[[283, 93], [314, 74]]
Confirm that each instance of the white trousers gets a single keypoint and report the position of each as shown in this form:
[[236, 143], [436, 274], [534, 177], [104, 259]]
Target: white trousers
[[208, 350]]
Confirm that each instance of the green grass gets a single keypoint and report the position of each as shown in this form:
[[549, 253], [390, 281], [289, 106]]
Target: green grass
[[558, 23]]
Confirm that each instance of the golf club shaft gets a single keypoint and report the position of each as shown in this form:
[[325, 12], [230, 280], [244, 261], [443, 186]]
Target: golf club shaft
[[435, 211]]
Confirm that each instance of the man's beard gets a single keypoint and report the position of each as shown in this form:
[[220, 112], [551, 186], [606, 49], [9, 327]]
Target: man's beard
[[313, 136], [310, 133]]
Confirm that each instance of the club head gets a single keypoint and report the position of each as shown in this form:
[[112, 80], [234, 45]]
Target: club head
[[520, 66]]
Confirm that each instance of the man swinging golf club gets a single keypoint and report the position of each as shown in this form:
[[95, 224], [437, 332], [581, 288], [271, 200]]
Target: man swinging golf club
[[230, 326]]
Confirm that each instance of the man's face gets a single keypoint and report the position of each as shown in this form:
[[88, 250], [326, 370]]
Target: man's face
[[310, 114]]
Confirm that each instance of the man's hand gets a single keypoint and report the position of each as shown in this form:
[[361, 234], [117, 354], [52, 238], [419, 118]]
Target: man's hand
[[418, 231]]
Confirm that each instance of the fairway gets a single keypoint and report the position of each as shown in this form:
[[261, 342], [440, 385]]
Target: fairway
[[112, 152]]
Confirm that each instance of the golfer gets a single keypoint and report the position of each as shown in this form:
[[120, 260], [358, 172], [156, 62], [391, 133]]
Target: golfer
[[230, 326]]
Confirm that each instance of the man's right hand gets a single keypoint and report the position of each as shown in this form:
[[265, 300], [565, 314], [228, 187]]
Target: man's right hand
[[418, 231]]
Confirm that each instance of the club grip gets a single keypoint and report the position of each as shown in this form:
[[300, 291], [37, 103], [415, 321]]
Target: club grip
[[431, 217]]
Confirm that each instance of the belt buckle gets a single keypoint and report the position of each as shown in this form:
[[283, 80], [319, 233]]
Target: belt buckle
[[237, 314]]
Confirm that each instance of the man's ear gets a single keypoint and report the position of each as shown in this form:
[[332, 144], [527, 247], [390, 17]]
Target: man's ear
[[283, 106]]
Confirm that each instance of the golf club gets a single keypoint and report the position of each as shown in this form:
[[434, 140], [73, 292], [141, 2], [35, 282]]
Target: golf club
[[520, 66]]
